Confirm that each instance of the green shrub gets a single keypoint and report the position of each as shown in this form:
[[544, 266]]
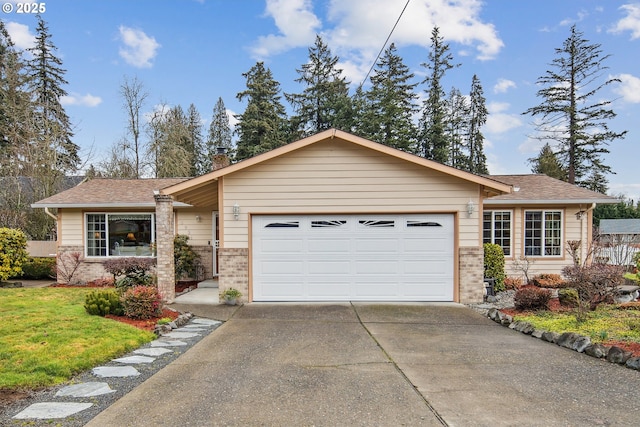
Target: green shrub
[[494, 264], [39, 268], [131, 271], [186, 259], [103, 302], [532, 299], [547, 280], [568, 297], [13, 252], [142, 302]]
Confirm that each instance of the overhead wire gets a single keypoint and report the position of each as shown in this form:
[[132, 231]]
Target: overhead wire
[[385, 43]]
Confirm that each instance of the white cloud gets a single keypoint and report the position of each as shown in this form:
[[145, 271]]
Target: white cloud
[[631, 22], [87, 100], [356, 29], [20, 35], [629, 88], [629, 190], [296, 22], [503, 86], [499, 121], [233, 121], [139, 49]]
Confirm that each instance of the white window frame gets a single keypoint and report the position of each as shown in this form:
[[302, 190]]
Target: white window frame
[[546, 231], [493, 229], [104, 235]]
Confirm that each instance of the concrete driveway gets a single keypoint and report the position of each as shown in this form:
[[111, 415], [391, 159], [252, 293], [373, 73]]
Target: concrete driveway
[[377, 364]]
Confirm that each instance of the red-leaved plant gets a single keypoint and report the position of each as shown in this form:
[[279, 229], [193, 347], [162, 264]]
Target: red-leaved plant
[[142, 302]]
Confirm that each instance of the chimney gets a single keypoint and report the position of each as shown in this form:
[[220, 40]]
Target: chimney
[[220, 159]]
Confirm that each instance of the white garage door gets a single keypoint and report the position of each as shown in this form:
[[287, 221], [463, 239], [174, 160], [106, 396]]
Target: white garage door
[[353, 258]]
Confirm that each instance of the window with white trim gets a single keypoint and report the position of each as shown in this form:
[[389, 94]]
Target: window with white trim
[[496, 229], [543, 233], [120, 234]]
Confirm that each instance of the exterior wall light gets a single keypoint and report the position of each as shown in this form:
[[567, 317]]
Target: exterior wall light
[[470, 207], [236, 211]]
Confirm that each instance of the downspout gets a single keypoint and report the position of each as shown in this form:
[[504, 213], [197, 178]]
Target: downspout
[[55, 218]]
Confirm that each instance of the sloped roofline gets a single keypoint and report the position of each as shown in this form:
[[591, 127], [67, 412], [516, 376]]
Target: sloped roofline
[[487, 183]]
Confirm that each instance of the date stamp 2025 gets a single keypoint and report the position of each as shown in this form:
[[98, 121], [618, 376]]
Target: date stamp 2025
[[22, 8]]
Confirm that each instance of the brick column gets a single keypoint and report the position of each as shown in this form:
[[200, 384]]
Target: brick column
[[471, 261], [234, 270], [164, 243]]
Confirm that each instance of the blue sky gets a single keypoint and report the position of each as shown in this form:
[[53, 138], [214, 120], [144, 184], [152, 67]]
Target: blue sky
[[194, 51]]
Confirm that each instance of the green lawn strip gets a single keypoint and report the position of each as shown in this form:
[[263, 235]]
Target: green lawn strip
[[46, 337], [605, 323]]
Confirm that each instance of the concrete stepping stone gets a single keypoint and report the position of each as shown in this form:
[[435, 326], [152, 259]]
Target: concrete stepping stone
[[157, 351], [85, 390], [179, 334], [161, 343], [115, 371], [207, 322], [192, 328], [49, 410], [135, 360]]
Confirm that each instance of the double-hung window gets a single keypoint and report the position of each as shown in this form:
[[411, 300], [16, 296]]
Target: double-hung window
[[496, 228], [543, 233], [120, 234]]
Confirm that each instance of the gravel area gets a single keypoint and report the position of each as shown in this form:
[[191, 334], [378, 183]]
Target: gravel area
[[120, 385]]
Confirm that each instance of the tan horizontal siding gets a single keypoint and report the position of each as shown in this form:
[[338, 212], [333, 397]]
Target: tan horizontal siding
[[337, 177], [71, 227], [200, 232]]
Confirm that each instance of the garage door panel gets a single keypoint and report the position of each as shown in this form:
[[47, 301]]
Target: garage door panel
[[353, 257], [282, 245], [328, 245], [332, 268]]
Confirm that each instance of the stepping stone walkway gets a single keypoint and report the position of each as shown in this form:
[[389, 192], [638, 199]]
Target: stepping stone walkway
[[121, 368]]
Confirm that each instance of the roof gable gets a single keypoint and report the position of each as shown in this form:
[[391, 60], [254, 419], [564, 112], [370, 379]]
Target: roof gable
[[490, 185]]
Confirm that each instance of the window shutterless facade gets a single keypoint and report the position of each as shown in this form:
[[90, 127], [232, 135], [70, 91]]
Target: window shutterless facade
[[496, 228], [543, 233], [120, 234]]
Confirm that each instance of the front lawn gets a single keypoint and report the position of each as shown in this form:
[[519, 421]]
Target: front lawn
[[46, 337]]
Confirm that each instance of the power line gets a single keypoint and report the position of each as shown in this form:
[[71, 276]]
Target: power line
[[385, 43]]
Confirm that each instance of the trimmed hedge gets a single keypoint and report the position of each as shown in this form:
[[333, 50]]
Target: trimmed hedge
[[13, 252], [39, 268], [532, 299], [494, 264]]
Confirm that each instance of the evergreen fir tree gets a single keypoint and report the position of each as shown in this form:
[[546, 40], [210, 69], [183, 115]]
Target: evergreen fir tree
[[433, 141], [262, 125], [390, 104], [477, 118], [547, 163], [324, 103], [219, 136], [456, 129], [196, 143], [572, 111]]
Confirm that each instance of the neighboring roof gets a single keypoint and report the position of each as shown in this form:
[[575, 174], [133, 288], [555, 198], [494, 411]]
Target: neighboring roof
[[542, 189], [109, 193], [491, 186], [620, 226]]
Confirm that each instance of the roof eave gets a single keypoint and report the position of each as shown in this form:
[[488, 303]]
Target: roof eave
[[110, 205], [549, 202]]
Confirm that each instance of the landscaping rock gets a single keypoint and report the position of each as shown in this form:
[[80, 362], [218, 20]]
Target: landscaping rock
[[493, 314], [596, 350], [581, 344], [505, 319], [524, 327], [626, 293], [551, 337], [568, 339], [10, 284], [537, 333], [618, 355], [633, 363]]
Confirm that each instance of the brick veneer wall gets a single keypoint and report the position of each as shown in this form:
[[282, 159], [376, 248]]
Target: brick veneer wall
[[471, 268], [234, 270], [87, 270], [164, 242], [206, 260]]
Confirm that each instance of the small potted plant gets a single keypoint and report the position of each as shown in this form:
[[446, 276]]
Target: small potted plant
[[231, 296]]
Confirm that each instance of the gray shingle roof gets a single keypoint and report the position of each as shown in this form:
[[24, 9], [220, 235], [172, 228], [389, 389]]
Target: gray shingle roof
[[620, 226], [100, 192], [530, 189]]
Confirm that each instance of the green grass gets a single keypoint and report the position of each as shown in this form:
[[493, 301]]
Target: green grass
[[46, 337], [605, 323]]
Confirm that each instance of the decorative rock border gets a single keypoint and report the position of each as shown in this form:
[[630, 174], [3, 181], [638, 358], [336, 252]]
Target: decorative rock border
[[181, 320], [570, 340]]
